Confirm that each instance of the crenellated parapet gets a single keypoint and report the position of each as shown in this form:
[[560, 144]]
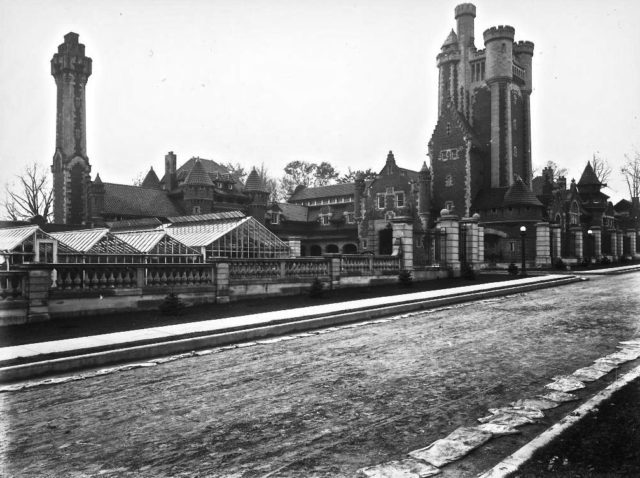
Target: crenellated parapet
[[465, 9], [501, 32], [523, 48], [70, 58]]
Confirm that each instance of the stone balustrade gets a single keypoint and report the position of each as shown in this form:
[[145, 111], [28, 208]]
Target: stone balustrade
[[12, 285]]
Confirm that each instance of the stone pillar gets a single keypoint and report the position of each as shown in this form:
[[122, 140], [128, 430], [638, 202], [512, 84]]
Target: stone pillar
[[404, 232], [614, 243], [543, 245], [620, 242], [556, 238], [632, 243], [294, 245], [480, 244], [597, 241], [38, 285], [451, 225], [471, 225], [577, 237], [222, 282], [334, 269]]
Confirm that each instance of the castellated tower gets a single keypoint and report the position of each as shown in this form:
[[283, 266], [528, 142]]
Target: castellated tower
[[483, 136], [71, 170]]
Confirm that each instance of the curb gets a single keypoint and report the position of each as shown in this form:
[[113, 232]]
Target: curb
[[513, 462], [188, 342]]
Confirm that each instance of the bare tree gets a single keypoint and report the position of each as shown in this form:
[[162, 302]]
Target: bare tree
[[237, 170], [138, 179], [31, 195], [601, 167], [631, 172]]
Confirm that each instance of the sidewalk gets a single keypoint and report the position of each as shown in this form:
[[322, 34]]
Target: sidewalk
[[33, 359]]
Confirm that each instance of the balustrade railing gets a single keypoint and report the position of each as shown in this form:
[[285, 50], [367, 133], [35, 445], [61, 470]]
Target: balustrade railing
[[126, 276], [256, 269], [368, 265], [12, 285]]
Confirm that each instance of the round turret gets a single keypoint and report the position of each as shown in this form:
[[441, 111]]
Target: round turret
[[523, 51], [465, 15], [498, 42]]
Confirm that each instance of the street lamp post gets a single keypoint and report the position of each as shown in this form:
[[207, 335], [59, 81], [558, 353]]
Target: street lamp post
[[523, 233], [590, 246]]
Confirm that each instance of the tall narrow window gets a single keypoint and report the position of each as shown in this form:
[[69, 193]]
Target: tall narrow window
[[381, 201], [448, 129], [400, 199]]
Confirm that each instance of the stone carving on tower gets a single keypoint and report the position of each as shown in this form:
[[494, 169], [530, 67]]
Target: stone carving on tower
[[71, 170]]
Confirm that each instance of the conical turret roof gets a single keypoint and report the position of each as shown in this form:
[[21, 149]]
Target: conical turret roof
[[589, 176], [151, 180], [519, 194], [452, 39], [198, 176], [253, 182]]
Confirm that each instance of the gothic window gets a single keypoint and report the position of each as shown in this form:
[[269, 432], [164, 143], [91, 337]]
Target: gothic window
[[574, 214], [400, 199], [448, 129], [448, 181], [381, 201]]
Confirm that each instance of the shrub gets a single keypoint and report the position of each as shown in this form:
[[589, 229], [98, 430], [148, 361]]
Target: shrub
[[513, 269], [405, 279], [560, 265], [171, 305], [605, 261], [316, 289], [468, 272]]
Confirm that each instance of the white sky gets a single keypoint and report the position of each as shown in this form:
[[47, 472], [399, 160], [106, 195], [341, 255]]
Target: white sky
[[272, 81]]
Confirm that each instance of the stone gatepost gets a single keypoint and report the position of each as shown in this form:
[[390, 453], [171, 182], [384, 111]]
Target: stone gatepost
[[451, 225], [577, 237], [480, 244], [335, 261], [556, 240], [632, 242], [471, 225], [620, 242], [543, 245], [39, 282], [404, 232], [222, 282], [597, 241], [294, 245], [614, 243]]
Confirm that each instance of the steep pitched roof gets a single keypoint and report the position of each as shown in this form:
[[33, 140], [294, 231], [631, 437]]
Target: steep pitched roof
[[452, 39], [150, 180], [589, 176], [197, 176], [253, 182], [210, 166], [125, 200], [332, 190], [293, 212], [519, 194]]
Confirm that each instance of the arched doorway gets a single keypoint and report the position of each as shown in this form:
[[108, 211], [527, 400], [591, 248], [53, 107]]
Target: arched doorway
[[315, 250], [349, 249], [385, 241], [332, 249]]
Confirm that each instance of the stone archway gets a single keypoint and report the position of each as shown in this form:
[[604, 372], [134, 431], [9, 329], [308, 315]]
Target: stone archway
[[332, 249], [349, 249]]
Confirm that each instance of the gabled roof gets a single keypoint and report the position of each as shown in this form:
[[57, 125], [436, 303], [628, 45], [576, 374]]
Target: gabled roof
[[150, 181], [202, 235], [519, 194], [146, 241], [10, 238], [589, 176], [332, 190], [197, 176], [94, 241], [125, 200]]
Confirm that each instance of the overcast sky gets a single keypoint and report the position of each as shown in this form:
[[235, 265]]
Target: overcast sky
[[271, 81]]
